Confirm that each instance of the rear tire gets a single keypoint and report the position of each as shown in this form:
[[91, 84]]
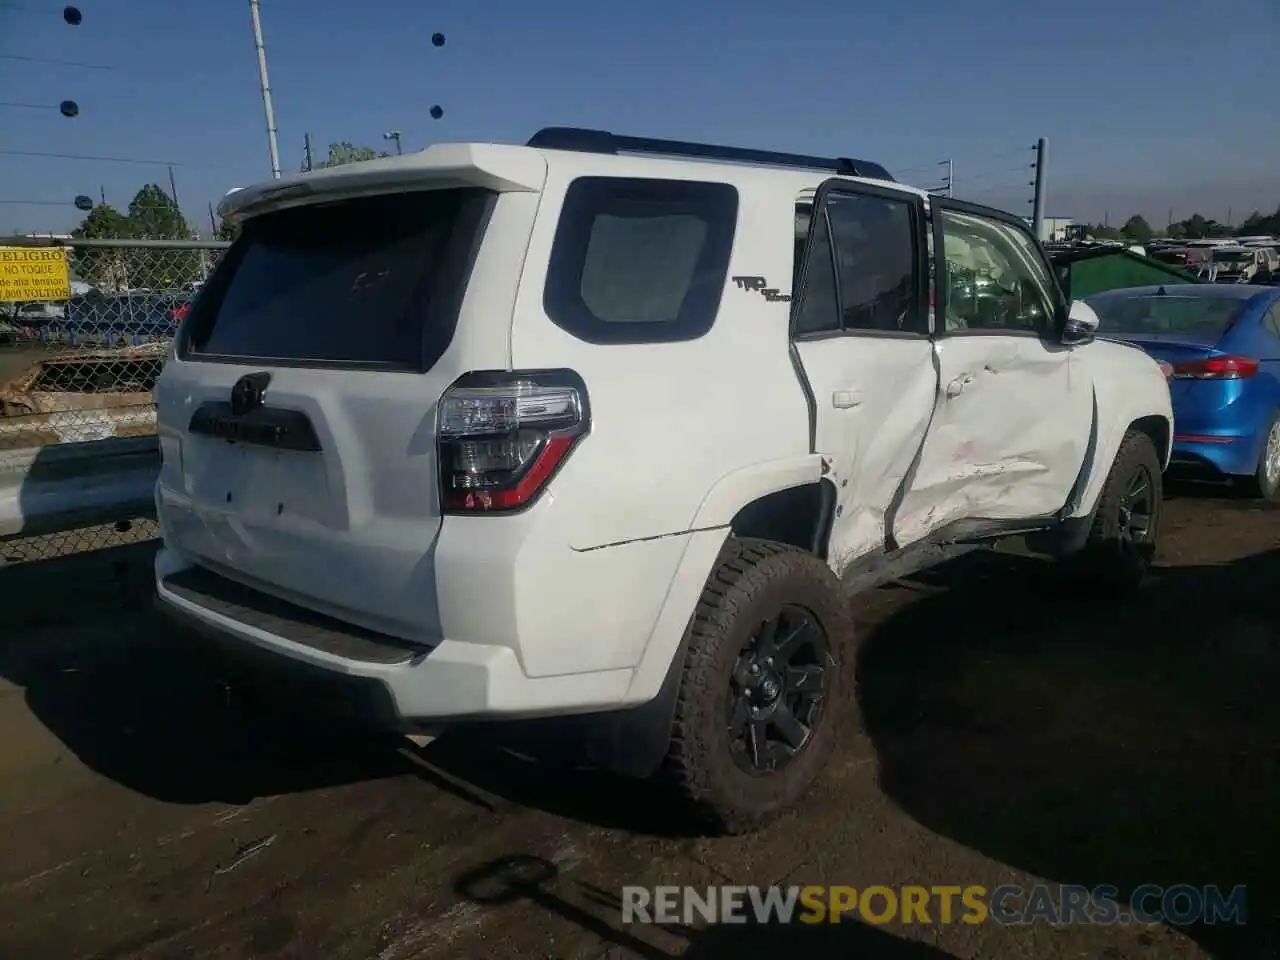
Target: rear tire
[[1264, 484], [768, 683], [1120, 548]]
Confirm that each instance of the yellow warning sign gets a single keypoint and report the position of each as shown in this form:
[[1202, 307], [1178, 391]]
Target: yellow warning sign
[[34, 273]]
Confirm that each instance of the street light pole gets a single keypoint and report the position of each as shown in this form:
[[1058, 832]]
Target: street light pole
[[266, 89], [394, 135]]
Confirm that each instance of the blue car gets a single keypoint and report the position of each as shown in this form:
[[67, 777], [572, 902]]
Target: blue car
[[1223, 342]]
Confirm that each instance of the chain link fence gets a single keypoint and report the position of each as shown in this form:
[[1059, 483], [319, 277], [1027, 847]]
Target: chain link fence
[[83, 368]]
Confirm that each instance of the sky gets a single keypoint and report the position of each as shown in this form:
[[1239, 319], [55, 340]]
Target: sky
[[1147, 106]]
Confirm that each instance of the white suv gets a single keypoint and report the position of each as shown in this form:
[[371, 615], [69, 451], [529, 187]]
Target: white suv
[[610, 428]]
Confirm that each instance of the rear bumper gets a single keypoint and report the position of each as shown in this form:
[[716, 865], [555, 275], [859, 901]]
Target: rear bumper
[[1225, 455], [408, 686], [450, 681]]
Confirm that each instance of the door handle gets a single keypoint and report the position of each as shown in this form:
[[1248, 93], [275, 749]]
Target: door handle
[[845, 399], [956, 386]]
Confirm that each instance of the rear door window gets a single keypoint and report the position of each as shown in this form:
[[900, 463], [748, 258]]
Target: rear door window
[[374, 281], [640, 260]]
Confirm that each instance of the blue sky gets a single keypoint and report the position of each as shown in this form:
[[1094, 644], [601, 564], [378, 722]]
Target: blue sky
[[1145, 104]]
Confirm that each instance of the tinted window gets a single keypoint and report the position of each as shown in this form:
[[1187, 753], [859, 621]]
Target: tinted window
[[876, 263], [372, 281], [640, 260], [996, 276], [1199, 318], [819, 307], [1273, 319]]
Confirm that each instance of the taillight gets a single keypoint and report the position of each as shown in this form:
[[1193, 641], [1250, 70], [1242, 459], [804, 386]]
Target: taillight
[[1216, 368], [501, 437]]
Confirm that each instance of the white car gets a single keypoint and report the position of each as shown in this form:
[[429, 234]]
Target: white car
[[610, 428]]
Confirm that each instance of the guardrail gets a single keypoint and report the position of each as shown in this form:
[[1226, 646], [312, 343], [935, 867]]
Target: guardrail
[[69, 486], [77, 423]]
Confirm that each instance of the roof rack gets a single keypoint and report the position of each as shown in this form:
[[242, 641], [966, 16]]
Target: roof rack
[[581, 140]]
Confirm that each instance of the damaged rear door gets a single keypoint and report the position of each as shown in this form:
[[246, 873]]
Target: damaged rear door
[[861, 331], [1014, 411]]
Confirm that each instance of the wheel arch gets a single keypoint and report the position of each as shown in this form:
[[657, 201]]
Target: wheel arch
[[800, 516]]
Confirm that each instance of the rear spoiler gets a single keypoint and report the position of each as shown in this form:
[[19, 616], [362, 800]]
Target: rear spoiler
[[497, 167]]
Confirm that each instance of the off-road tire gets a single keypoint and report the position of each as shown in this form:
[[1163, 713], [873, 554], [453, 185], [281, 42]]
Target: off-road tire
[[1257, 485], [1111, 563], [754, 579]]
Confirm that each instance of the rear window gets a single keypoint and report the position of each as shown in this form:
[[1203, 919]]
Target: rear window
[[375, 281], [640, 260], [1198, 317]]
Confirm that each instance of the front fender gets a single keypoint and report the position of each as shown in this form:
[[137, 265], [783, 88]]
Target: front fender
[[1128, 387]]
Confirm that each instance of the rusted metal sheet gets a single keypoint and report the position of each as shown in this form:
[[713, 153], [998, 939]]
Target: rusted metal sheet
[[86, 395]]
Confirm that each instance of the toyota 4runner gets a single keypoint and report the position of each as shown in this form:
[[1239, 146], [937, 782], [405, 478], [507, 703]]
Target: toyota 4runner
[[611, 428]]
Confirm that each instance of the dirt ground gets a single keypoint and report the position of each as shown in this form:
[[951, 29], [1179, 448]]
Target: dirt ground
[[15, 358], [1017, 730]]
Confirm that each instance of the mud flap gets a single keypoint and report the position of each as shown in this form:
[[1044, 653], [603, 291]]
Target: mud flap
[[634, 742]]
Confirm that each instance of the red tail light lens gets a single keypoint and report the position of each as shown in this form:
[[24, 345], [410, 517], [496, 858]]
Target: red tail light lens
[[1216, 368], [501, 437]]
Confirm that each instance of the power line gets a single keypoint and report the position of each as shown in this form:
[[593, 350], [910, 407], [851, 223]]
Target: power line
[[79, 156], [71, 203], [40, 203], [57, 63]]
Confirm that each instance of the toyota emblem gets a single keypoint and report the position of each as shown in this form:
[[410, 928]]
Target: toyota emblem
[[249, 393]]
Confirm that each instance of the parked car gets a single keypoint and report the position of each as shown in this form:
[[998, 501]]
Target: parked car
[[1174, 256], [585, 430], [36, 315], [124, 318], [1223, 341], [1235, 264]]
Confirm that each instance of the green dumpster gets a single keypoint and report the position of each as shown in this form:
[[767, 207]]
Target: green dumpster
[[1090, 270]]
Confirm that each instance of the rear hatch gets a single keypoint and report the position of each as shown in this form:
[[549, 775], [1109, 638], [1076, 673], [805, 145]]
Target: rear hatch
[[298, 420]]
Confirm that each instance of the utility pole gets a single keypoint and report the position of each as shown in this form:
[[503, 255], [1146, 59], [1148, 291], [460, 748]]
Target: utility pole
[[266, 89], [1037, 203], [306, 147], [950, 183], [102, 192], [173, 187], [213, 223]]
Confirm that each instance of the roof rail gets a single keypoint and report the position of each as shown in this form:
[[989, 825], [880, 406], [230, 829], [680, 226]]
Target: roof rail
[[581, 140]]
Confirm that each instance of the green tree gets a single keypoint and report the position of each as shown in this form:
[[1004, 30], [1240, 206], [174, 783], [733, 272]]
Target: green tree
[[105, 268], [1101, 231], [1260, 224], [1137, 229], [1195, 227], [347, 152], [225, 231], [154, 216]]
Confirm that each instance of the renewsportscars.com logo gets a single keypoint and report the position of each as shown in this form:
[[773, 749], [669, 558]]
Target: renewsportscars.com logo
[[1180, 905]]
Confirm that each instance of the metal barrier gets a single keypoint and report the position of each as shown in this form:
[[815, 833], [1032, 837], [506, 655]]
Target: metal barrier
[[77, 422]]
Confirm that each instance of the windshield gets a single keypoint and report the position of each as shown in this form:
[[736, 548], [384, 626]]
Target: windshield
[[1195, 317], [376, 280], [1232, 256]]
